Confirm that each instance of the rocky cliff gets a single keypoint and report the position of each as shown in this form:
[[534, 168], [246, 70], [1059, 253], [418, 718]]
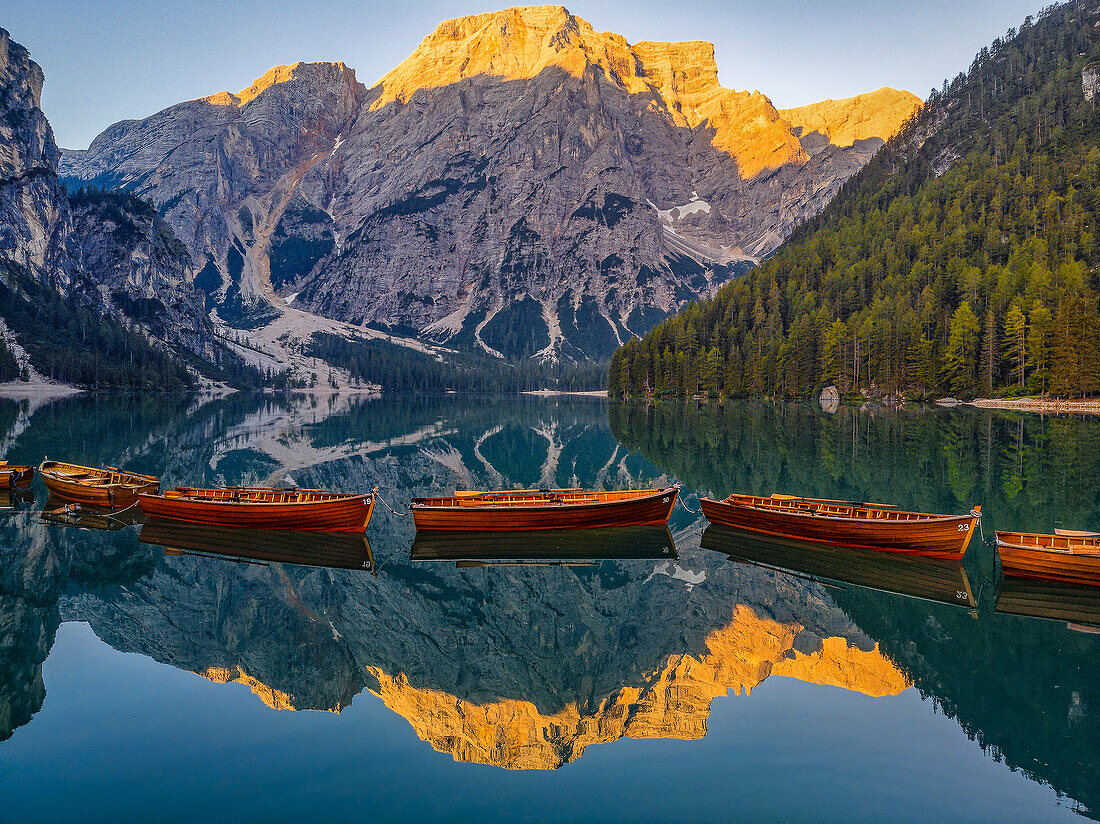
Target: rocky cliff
[[140, 271], [521, 185], [106, 261], [34, 221]]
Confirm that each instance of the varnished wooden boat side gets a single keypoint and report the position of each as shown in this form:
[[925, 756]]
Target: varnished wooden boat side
[[108, 487], [1053, 600], [262, 508], [332, 550], [511, 511], [560, 546], [1070, 558], [855, 525], [15, 477], [930, 579]]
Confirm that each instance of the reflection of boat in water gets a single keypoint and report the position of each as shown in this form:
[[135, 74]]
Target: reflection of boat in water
[[85, 516], [1078, 606], [339, 550], [1073, 557], [10, 498], [566, 546], [931, 579], [109, 488], [534, 509], [303, 510], [846, 523]]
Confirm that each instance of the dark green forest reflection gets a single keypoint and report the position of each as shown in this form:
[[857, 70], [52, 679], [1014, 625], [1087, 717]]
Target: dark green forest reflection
[[1027, 690], [524, 656]]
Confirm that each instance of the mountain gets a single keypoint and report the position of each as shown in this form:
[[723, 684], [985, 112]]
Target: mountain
[[33, 218], [962, 259], [522, 185], [96, 292]]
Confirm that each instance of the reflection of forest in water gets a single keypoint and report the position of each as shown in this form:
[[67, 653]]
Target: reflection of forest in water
[[1027, 690], [528, 666]]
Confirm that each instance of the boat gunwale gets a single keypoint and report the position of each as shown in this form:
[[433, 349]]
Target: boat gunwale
[[537, 505], [47, 468], [922, 517], [336, 497], [1093, 551]]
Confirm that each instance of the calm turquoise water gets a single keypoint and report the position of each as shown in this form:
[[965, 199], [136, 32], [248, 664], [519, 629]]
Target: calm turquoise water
[[712, 680]]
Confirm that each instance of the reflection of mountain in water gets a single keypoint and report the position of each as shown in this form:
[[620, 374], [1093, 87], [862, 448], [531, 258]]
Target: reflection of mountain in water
[[516, 667], [539, 662], [526, 667], [1025, 690]]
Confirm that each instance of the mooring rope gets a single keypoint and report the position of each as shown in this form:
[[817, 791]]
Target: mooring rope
[[981, 530], [688, 508], [393, 511]]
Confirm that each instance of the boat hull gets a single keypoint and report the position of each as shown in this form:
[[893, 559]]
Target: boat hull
[[16, 477], [345, 514], [105, 488], [945, 536], [653, 509], [1045, 564]]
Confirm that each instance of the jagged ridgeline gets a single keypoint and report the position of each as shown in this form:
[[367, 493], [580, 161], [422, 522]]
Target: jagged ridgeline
[[95, 291], [963, 258], [521, 187]]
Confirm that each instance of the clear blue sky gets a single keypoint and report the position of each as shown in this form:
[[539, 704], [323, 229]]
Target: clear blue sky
[[106, 61]]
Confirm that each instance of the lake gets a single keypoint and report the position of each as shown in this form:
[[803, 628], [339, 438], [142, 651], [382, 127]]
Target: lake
[[671, 676]]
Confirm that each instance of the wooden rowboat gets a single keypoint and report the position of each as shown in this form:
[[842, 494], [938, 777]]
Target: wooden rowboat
[[306, 510], [331, 550], [929, 579], [559, 547], [1073, 558], [847, 523], [15, 477], [528, 509], [109, 488]]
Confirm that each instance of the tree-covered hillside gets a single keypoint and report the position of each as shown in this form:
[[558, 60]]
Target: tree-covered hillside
[[963, 259]]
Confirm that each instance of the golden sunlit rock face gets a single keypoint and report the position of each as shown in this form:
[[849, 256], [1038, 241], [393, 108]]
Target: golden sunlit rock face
[[675, 703], [519, 43], [875, 114], [276, 699], [274, 75]]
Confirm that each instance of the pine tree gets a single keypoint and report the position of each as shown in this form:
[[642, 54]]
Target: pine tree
[[1016, 342], [1040, 327], [991, 354], [960, 359]]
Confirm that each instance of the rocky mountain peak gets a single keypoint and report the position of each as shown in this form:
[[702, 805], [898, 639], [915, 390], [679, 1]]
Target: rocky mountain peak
[[521, 185], [280, 74], [26, 139], [512, 44], [33, 215], [520, 43], [877, 114]]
